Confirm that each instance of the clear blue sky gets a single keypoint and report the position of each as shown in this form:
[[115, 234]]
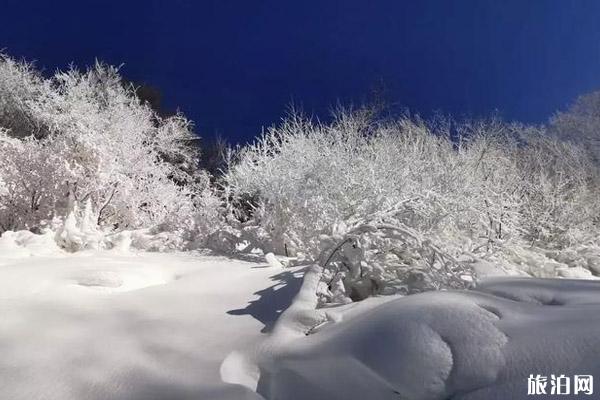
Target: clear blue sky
[[234, 66]]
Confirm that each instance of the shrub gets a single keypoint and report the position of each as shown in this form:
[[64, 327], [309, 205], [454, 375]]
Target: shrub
[[468, 190], [85, 136]]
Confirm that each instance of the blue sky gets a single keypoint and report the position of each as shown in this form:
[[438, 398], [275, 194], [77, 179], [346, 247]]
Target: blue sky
[[234, 66]]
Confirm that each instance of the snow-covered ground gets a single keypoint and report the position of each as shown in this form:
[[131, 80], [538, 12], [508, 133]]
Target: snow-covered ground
[[136, 325], [110, 325], [481, 344]]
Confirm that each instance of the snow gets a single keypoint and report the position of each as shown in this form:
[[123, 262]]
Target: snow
[[120, 325], [273, 261], [480, 344], [15, 245]]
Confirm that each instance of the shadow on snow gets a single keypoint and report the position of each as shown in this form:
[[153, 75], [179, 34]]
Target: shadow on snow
[[274, 299]]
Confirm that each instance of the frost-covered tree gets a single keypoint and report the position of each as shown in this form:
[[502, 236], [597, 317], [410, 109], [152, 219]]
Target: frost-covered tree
[[20, 86], [580, 123], [100, 144], [33, 174], [411, 196]]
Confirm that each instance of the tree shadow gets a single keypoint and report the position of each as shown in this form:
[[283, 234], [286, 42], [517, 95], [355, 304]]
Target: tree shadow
[[273, 300]]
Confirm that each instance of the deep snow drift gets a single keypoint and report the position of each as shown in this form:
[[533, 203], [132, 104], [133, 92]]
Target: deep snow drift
[[479, 344], [110, 325]]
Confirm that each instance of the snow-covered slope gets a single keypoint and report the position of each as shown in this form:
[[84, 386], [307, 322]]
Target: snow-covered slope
[[479, 344], [109, 325]]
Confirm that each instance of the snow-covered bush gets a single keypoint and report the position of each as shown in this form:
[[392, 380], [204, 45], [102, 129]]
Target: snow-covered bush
[[559, 192], [79, 230], [580, 123], [33, 173], [470, 190], [386, 258], [20, 85], [80, 137]]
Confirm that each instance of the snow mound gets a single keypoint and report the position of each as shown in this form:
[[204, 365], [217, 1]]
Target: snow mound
[[120, 280], [273, 261], [480, 344], [22, 244], [91, 272]]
